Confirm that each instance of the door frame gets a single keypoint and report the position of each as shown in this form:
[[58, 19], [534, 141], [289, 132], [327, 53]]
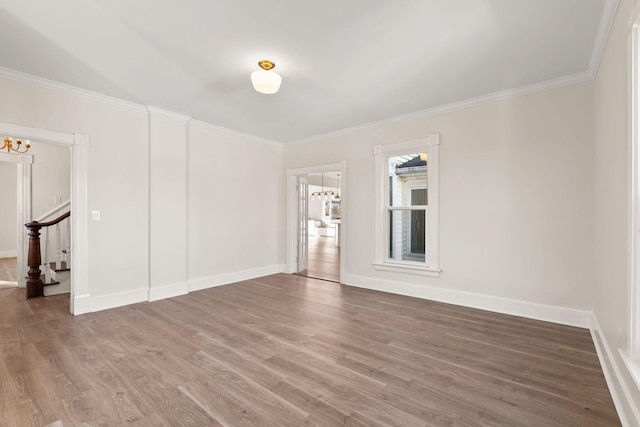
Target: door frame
[[301, 223], [79, 143], [23, 165], [292, 212]]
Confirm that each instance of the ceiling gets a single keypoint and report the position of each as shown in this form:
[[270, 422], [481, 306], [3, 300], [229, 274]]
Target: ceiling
[[344, 64]]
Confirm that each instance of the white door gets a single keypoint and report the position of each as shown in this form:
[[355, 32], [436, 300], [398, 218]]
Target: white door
[[303, 218]]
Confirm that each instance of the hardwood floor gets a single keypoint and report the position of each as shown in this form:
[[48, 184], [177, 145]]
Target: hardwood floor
[[8, 273], [286, 350], [324, 259]]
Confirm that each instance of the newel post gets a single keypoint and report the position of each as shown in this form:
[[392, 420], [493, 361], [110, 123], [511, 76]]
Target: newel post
[[34, 282]]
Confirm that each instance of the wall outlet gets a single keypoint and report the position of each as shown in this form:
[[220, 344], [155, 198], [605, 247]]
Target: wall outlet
[[57, 200], [95, 215]]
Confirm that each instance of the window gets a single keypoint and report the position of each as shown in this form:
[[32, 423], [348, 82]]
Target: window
[[406, 219]]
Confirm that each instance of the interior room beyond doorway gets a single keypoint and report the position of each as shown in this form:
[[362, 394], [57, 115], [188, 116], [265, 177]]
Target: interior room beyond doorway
[[8, 273], [324, 226]]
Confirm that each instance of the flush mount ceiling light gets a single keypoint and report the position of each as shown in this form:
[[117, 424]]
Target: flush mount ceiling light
[[265, 80]]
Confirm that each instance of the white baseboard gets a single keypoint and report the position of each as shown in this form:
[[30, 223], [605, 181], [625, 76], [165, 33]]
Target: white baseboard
[[119, 299], [620, 393], [548, 313], [238, 276], [86, 304], [168, 291], [81, 305], [9, 254]]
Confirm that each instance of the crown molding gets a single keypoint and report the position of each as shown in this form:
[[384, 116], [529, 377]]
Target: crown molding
[[634, 19], [155, 111], [206, 125], [456, 106], [72, 90], [606, 22], [604, 28], [68, 89]]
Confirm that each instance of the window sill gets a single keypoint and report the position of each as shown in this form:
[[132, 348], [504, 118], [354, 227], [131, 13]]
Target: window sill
[[633, 366], [417, 269]]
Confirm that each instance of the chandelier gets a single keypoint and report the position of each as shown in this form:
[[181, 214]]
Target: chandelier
[[265, 80], [323, 195], [8, 144]]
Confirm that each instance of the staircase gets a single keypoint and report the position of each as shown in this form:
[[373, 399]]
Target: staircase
[[49, 264], [57, 278]]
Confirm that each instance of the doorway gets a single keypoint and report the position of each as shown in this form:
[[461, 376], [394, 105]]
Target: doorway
[[79, 145], [8, 225], [16, 190], [316, 221], [34, 187], [323, 222]]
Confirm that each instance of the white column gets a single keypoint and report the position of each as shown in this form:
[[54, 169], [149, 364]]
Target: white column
[[79, 226]]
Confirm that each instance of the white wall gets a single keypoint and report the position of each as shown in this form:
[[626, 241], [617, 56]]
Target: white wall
[[9, 211], [236, 206], [50, 176], [168, 204], [183, 205], [516, 202], [117, 180], [611, 208]]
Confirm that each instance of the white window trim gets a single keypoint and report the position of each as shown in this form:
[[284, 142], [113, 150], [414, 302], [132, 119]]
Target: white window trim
[[431, 267], [631, 355]]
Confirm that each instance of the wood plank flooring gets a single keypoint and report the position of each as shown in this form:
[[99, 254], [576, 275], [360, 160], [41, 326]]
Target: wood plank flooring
[[8, 272], [286, 350], [324, 259]]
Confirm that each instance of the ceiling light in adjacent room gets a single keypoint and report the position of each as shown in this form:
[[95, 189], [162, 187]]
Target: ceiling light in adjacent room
[[265, 80], [323, 195], [8, 144]]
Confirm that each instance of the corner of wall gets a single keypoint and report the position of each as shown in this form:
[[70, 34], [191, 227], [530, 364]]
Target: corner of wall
[[613, 373]]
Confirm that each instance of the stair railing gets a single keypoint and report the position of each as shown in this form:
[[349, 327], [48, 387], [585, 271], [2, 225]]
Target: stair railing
[[35, 285], [56, 240]]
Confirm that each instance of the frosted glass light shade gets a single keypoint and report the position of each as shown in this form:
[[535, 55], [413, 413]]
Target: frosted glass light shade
[[266, 81]]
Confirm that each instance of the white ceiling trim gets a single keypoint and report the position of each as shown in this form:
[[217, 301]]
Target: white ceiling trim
[[485, 99], [155, 111], [94, 96], [455, 106], [608, 16], [68, 89], [635, 16]]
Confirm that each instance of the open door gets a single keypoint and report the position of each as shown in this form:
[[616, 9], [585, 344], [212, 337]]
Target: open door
[[303, 231]]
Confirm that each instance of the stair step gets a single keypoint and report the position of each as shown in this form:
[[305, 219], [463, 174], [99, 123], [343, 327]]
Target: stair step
[[63, 266], [49, 283]]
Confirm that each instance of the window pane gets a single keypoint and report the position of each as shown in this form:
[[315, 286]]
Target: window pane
[[407, 172], [407, 235]]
